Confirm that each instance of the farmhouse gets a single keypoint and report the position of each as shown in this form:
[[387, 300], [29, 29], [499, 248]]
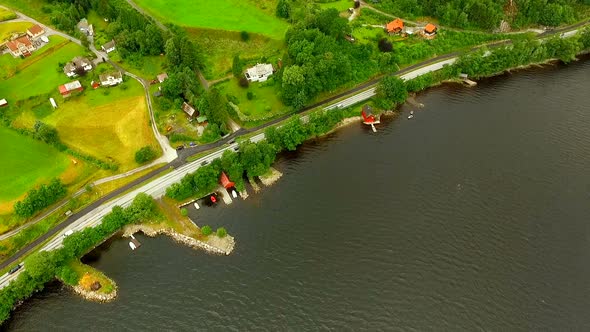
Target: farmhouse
[[3, 102], [20, 46], [430, 30], [395, 26], [109, 47], [111, 79], [85, 28], [162, 77], [67, 88], [35, 31], [189, 110], [259, 73], [78, 65]]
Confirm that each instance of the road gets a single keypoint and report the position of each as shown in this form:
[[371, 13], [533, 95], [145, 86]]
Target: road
[[92, 215]]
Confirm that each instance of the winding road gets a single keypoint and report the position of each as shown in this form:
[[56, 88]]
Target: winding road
[[93, 214]]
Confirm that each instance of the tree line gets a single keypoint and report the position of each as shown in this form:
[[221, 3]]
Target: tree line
[[43, 266], [38, 199]]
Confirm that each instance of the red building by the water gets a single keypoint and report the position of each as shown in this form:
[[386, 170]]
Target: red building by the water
[[225, 182], [367, 113]]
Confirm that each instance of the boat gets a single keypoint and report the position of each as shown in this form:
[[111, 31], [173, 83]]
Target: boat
[[410, 116]]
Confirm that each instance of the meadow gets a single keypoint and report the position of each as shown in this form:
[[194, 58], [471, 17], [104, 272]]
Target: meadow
[[6, 14], [25, 163], [41, 77], [233, 15]]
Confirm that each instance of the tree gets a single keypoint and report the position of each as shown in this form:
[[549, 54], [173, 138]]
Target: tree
[[245, 36], [385, 45], [206, 230], [390, 92], [84, 40], [221, 232], [243, 81], [145, 154], [184, 212], [237, 66], [283, 9]]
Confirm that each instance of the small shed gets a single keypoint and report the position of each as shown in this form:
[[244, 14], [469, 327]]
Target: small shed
[[201, 119], [162, 77], [188, 109], [225, 182], [53, 103], [430, 30], [3, 102]]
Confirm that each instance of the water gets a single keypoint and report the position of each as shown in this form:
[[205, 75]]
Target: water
[[472, 216]]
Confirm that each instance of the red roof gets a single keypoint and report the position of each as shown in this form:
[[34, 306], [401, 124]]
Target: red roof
[[35, 30], [430, 28], [63, 89], [13, 44], [225, 182], [395, 25]]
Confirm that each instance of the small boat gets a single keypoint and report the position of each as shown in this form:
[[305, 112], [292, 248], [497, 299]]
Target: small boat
[[410, 116], [411, 112]]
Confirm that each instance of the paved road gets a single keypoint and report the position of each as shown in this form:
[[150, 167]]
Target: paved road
[[93, 214]]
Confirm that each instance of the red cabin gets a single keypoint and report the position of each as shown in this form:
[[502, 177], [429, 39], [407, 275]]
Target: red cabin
[[225, 182], [367, 114]]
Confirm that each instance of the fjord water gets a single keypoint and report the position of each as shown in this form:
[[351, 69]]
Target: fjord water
[[474, 215]]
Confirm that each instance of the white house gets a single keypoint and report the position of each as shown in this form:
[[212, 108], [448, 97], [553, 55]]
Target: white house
[[111, 79], [85, 28], [259, 73], [71, 69], [109, 47]]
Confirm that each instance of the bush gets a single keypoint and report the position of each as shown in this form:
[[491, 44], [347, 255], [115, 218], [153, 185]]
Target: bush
[[184, 212], [243, 81], [145, 154], [206, 230], [245, 35], [385, 45], [221, 232], [38, 199], [68, 275], [250, 95]]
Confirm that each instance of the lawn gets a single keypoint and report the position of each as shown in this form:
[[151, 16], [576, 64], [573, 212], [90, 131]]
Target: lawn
[[221, 47], [41, 77], [108, 123], [8, 28], [265, 104], [340, 5], [6, 15], [33, 8], [234, 15], [10, 65], [26, 163]]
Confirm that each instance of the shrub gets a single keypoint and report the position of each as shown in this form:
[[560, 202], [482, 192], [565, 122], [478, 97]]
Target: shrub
[[385, 45], [38, 199], [245, 35], [243, 81], [250, 95], [68, 275], [221, 232], [184, 212], [145, 154], [206, 230]]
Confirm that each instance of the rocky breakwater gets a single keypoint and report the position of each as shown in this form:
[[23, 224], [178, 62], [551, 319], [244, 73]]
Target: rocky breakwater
[[95, 295], [212, 244]]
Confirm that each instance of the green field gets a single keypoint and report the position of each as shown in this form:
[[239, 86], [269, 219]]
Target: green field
[[25, 163], [6, 15], [41, 77], [8, 28], [234, 15], [10, 65], [340, 5]]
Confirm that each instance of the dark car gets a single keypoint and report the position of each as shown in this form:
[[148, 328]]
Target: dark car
[[232, 141], [180, 147], [191, 144], [205, 162], [14, 269]]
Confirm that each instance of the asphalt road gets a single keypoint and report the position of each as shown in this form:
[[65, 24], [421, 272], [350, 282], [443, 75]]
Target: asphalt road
[[92, 215]]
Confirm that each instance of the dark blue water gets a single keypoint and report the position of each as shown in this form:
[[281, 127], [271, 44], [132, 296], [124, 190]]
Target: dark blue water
[[474, 215]]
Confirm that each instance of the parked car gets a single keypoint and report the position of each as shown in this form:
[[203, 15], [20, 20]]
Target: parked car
[[16, 268], [237, 148], [180, 147], [205, 162], [232, 141], [68, 233], [191, 144]]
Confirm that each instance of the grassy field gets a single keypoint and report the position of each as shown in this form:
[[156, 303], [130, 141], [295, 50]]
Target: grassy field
[[88, 275], [25, 163], [341, 5], [265, 104], [10, 65], [221, 47], [8, 28], [110, 127], [6, 15], [41, 77], [233, 15]]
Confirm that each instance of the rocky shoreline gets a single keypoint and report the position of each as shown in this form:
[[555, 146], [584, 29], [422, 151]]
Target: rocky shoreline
[[216, 247], [269, 179], [96, 296]]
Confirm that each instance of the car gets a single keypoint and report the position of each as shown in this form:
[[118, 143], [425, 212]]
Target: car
[[237, 148], [180, 147], [340, 105], [232, 141], [68, 233], [205, 162], [16, 268], [191, 144]]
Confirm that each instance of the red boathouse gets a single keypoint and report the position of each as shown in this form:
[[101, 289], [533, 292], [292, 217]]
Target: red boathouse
[[367, 113], [225, 182]]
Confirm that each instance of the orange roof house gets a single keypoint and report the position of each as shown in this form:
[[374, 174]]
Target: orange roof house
[[21, 46], [35, 31], [395, 26], [225, 182], [430, 29]]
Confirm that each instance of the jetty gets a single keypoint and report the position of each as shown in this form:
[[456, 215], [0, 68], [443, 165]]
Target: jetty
[[465, 79], [134, 244]]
